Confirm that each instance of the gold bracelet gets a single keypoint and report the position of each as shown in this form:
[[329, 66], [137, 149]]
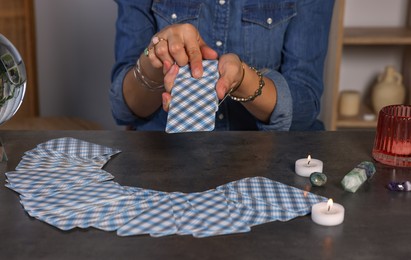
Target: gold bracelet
[[146, 82], [257, 93]]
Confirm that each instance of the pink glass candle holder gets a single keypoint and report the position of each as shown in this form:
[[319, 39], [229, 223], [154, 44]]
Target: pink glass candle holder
[[392, 144]]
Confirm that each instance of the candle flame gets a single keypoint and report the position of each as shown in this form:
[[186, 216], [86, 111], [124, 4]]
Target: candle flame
[[330, 204], [308, 159]]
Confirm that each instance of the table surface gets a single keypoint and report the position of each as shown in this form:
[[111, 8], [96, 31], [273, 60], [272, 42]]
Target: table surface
[[377, 221]]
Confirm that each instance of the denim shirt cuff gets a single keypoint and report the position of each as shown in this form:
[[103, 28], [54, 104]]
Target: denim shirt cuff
[[281, 116], [123, 115]]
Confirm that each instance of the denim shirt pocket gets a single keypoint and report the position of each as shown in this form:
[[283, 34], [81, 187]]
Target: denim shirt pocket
[[264, 28], [171, 12]]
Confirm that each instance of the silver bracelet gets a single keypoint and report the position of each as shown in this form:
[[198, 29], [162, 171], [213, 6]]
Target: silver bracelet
[[146, 82], [257, 93]]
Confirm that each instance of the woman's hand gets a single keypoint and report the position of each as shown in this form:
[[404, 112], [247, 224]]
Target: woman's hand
[[231, 72], [174, 46], [180, 44]]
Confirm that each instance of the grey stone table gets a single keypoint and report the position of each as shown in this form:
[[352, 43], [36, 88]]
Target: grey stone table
[[377, 221]]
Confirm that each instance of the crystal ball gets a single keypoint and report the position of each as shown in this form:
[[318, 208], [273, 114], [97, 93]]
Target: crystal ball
[[12, 79], [318, 179]]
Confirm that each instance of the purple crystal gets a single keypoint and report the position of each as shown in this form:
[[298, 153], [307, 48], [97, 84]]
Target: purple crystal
[[399, 186]]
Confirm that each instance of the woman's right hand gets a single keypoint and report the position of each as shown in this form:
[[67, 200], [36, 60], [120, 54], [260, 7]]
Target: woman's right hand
[[174, 46], [179, 44]]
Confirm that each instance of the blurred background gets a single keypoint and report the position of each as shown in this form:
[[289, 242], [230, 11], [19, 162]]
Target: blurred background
[[75, 52]]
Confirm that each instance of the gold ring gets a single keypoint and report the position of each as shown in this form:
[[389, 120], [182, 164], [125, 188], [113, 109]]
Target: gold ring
[[147, 51], [156, 40]]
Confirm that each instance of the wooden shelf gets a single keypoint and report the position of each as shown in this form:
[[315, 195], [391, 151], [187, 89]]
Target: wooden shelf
[[6, 14], [377, 36], [340, 39], [358, 121], [355, 123]]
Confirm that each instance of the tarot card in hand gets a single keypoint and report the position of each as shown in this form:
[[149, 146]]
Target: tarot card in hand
[[194, 101]]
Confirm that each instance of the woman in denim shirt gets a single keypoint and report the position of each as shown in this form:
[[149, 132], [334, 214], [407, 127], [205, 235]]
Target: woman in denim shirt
[[285, 40]]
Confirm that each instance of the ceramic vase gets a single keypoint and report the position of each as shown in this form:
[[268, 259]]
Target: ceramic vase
[[389, 89]]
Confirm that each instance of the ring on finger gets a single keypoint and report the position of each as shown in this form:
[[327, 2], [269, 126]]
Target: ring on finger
[[156, 40], [147, 51]]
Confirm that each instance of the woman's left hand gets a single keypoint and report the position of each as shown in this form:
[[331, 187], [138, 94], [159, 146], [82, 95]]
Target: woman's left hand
[[230, 69], [231, 72]]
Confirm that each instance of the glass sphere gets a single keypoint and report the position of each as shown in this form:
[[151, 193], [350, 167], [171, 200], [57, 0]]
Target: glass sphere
[[12, 79]]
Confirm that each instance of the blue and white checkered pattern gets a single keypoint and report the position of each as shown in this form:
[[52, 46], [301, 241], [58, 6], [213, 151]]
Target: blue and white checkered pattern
[[194, 101], [275, 193], [158, 220], [87, 217], [29, 163], [77, 148], [66, 187], [77, 198], [210, 215], [47, 175], [123, 216]]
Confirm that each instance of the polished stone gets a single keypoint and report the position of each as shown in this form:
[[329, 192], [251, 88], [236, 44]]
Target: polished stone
[[369, 168], [318, 179], [357, 176], [399, 186]]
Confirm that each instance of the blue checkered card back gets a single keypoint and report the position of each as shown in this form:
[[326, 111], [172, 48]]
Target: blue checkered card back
[[61, 183], [194, 101]]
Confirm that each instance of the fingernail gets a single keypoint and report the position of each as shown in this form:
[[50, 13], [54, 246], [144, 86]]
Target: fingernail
[[166, 103], [166, 67], [197, 73], [155, 40]]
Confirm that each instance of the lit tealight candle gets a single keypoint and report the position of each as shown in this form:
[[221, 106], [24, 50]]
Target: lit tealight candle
[[327, 213], [304, 167]]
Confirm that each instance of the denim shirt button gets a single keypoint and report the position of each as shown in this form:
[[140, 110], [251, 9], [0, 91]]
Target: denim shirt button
[[221, 116], [221, 2], [218, 43], [173, 16], [270, 20]]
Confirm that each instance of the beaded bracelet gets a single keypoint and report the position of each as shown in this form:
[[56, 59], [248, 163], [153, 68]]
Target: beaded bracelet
[[257, 93], [146, 82]]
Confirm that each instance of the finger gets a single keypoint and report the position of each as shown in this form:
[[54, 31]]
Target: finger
[[166, 97], [195, 56], [222, 87], [170, 77], [177, 50], [183, 43], [166, 67], [208, 53], [161, 50], [154, 60]]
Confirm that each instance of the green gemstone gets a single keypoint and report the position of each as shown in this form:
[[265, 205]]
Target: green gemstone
[[354, 179], [318, 179], [357, 176]]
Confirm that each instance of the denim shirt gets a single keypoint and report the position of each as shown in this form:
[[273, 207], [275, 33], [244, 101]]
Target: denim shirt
[[285, 39]]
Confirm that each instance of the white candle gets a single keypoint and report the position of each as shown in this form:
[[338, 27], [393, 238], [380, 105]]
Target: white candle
[[327, 213], [304, 167]]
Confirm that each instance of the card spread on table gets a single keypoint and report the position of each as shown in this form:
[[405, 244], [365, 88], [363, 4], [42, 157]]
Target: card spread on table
[[61, 183], [194, 102]]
